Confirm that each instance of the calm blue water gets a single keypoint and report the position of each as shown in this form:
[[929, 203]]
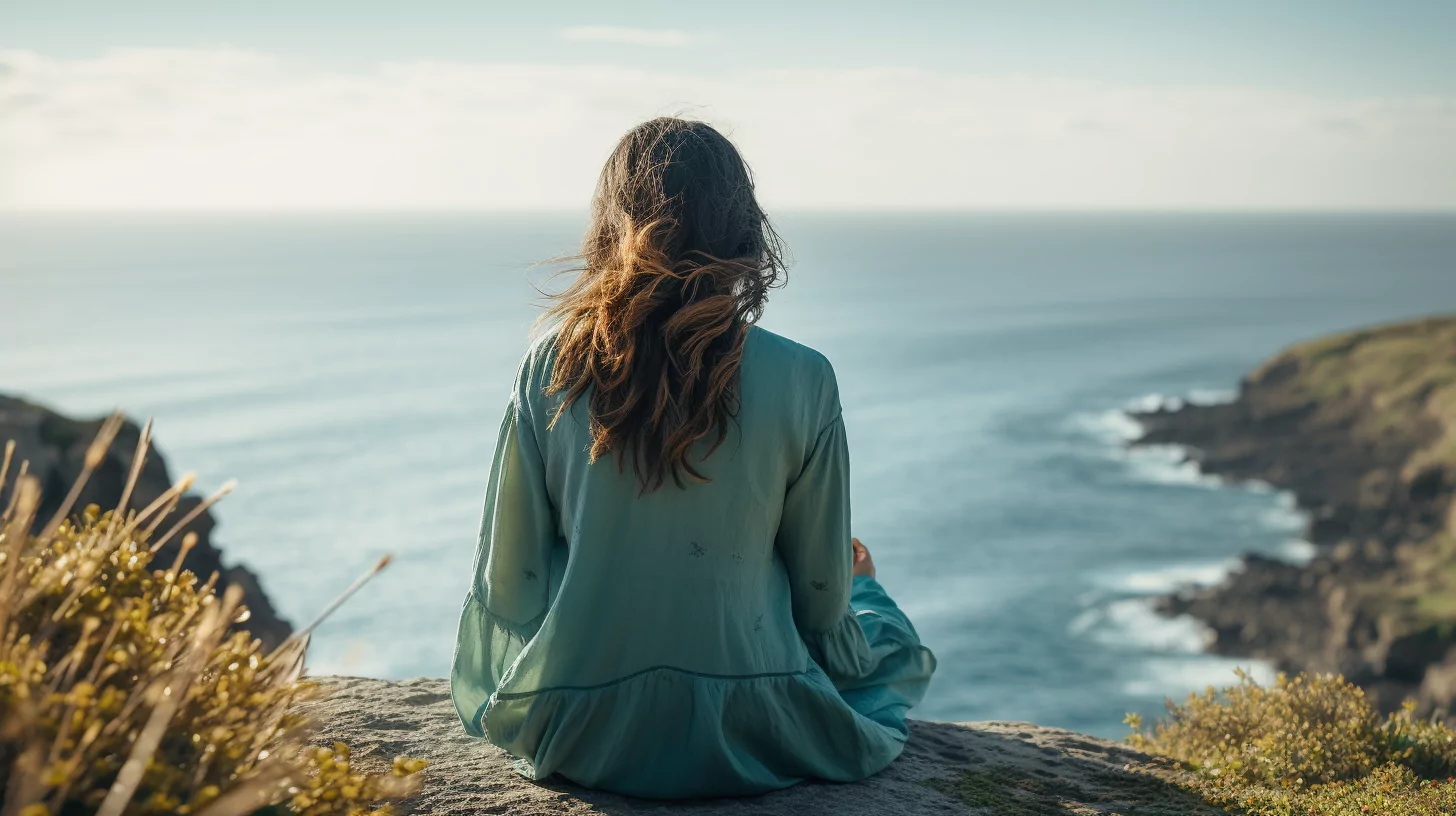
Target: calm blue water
[[351, 372]]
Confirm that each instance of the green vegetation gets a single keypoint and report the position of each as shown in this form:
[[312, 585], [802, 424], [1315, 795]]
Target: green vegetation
[[1307, 746], [1406, 372], [126, 688]]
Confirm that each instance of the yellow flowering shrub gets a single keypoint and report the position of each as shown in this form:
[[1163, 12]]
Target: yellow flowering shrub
[[126, 686], [1309, 745]]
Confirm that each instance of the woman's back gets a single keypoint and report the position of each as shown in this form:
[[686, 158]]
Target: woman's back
[[689, 579], [663, 602]]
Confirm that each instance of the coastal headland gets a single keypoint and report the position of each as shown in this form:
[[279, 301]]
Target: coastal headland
[[1361, 428]]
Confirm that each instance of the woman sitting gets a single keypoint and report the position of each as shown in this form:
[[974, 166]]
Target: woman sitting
[[666, 600]]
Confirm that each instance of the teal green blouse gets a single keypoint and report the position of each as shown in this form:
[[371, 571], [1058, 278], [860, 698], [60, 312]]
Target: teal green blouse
[[699, 641]]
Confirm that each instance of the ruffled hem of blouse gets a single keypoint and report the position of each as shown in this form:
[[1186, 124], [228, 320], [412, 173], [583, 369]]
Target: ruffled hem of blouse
[[709, 735]]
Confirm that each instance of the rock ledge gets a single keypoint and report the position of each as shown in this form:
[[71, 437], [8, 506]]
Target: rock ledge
[[949, 768]]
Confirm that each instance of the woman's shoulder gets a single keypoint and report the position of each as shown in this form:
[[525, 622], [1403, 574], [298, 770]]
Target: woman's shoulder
[[534, 372], [779, 350], [791, 369], [542, 348]]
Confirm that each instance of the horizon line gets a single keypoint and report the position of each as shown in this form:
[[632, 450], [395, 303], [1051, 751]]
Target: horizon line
[[794, 210]]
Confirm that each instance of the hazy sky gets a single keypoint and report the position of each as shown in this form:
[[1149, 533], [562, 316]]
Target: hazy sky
[[480, 105]]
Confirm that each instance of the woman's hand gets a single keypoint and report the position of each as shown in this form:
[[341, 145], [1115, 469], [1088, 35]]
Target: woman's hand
[[863, 563]]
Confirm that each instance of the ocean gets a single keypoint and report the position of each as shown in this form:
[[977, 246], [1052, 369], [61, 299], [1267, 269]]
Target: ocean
[[351, 372]]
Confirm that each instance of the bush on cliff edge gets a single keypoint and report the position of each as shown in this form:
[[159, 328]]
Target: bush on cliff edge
[[1311, 745], [126, 688]]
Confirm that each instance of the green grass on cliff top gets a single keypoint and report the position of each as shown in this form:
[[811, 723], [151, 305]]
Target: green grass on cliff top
[[1407, 372]]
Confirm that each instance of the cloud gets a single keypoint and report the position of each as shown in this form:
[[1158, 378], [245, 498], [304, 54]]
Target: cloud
[[219, 129], [653, 37]]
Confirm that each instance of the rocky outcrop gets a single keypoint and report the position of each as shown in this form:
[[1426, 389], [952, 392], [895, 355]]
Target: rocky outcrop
[[55, 447], [950, 768], [1361, 427]]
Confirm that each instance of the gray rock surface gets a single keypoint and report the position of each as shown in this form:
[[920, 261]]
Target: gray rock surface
[[947, 768]]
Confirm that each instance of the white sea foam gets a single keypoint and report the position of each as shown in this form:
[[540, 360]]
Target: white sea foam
[[1170, 579], [1149, 403], [1156, 464], [1133, 623], [1285, 516], [1118, 426], [1258, 486], [1161, 676], [1167, 464], [1109, 427], [1297, 551]]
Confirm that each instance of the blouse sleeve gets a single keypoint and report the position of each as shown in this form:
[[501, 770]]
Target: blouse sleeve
[[510, 580], [813, 540]]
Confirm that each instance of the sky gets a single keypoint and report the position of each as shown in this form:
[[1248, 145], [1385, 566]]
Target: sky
[[225, 105]]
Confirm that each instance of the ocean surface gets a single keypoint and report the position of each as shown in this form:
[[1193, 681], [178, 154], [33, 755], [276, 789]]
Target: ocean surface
[[350, 372]]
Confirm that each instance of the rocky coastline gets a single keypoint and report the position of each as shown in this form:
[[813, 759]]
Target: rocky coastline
[[1361, 428], [55, 447]]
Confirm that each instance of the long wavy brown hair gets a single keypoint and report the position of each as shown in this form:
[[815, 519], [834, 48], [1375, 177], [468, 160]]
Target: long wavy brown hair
[[677, 263]]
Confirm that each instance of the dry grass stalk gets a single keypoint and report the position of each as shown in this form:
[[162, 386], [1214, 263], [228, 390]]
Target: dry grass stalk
[[343, 596], [14, 494], [95, 455], [138, 458], [5, 461], [195, 512]]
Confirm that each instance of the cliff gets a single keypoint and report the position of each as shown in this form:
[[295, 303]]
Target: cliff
[[55, 447], [950, 768], [1361, 427]]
